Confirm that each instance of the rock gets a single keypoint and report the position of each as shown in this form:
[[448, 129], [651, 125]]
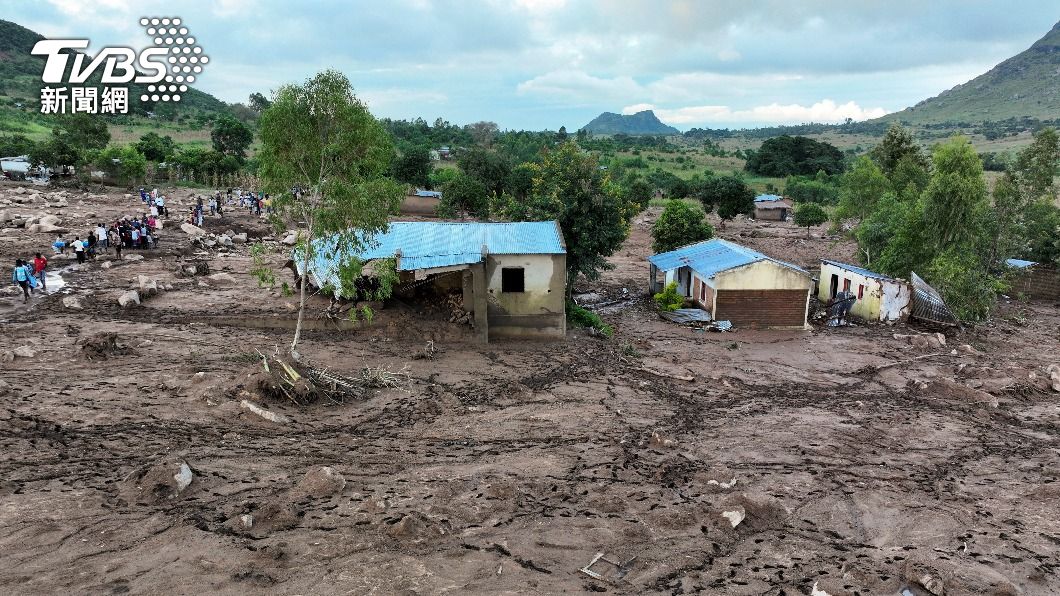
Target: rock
[[239, 238], [260, 411], [1054, 376], [735, 515], [50, 220], [322, 481], [826, 587], [221, 279], [5, 387], [72, 302], [24, 352], [198, 377], [290, 239], [967, 349], [225, 240], [191, 230], [183, 477], [148, 286], [658, 441], [130, 297], [107, 265], [717, 478], [246, 520], [133, 258]]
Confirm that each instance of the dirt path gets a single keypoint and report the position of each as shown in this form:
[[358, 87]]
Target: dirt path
[[506, 468]]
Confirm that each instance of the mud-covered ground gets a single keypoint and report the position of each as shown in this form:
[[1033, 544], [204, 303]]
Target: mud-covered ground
[[858, 460]]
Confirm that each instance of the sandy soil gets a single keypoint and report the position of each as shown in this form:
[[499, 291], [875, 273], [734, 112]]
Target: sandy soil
[[853, 460]]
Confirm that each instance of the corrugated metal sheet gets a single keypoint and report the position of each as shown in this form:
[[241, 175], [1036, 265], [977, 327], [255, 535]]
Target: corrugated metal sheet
[[427, 245], [858, 270], [712, 257], [686, 315], [928, 304], [428, 193], [768, 198]]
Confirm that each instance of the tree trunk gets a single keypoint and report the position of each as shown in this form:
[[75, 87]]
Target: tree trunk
[[306, 254]]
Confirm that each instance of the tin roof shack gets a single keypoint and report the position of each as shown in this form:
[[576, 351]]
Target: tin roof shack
[[737, 284], [772, 207], [1034, 280], [420, 202], [879, 297], [512, 276]]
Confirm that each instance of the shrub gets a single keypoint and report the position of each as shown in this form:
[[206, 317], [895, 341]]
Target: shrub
[[582, 317], [668, 299], [680, 223]]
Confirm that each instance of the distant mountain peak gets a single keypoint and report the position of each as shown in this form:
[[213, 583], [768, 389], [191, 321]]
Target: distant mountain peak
[[644, 122], [1025, 85]]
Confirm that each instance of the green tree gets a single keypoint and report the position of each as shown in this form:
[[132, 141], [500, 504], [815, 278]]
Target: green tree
[[258, 102], [1042, 231], [231, 137], [679, 224], [156, 148], [639, 192], [859, 190], [414, 167], [897, 146], [489, 167], [1036, 165], [123, 163], [955, 201], [808, 215], [85, 132], [786, 156], [465, 194], [570, 188], [811, 190], [561, 136], [320, 139], [876, 231], [970, 292], [730, 194]]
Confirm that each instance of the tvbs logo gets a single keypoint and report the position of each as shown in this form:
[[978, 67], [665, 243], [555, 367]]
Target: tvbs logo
[[166, 68]]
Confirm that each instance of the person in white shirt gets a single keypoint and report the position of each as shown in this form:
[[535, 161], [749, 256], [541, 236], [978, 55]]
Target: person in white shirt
[[79, 249], [101, 238]]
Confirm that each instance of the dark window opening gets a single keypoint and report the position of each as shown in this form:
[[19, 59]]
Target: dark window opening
[[861, 291], [834, 288], [846, 285], [512, 279]]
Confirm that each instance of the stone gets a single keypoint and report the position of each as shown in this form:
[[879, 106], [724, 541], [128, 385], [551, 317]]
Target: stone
[[107, 264], [127, 298], [50, 220], [72, 302], [133, 258], [1054, 376], [225, 240], [183, 477], [246, 520], [24, 352], [322, 481], [5, 387], [735, 515], [221, 279], [148, 286], [7, 356], [290, 239], [191, 230], [239, 238]]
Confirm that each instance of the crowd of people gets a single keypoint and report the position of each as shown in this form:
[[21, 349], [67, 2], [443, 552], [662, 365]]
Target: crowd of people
[[131, 232]]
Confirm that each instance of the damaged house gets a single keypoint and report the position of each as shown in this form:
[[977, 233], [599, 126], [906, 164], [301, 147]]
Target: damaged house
[[879, 297], [772, 207], [736, 283], [511, 276]]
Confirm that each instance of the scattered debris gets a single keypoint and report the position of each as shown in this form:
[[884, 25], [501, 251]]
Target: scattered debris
[[260, 411], [612, 572], [735, 516], [102, 346], [321, 481]]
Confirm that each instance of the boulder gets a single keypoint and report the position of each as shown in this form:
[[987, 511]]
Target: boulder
[[130, 297], [1054, 376], [133, 258], [239, 238], [148, 286], [50, 220], [72, 302], [191, 230], [24, 352], [290, 239], [5, 387], [225, 240], [221, 279], [321, 481]]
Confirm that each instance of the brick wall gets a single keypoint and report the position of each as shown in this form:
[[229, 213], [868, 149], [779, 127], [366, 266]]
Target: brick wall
[[762, 308], [1040, 283]]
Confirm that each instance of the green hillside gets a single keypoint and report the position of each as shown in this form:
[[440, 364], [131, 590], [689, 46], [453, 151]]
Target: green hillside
[[641, 123], [1024, 86]]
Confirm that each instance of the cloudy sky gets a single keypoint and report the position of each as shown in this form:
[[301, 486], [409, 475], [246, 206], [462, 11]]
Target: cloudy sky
[[540, 64]]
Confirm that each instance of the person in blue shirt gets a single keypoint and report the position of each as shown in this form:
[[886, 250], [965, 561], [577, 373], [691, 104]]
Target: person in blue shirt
[[59, 245], [20, 277]]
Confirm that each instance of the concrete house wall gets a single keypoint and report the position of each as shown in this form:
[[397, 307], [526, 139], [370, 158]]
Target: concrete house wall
[[537, 311], [878, 299]]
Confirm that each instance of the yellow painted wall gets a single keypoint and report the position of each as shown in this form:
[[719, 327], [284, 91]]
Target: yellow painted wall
[[538, 310], [868, 307], [763, 275]]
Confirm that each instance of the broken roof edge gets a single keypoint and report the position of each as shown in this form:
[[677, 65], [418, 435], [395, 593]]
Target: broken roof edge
[[753, 255], [860, 270]]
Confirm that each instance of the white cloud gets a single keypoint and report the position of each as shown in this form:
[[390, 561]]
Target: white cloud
[[823, 111], [579, 85]]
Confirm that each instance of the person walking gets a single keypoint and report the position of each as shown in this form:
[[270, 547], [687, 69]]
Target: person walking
[[59, 245], [39, 265], [101, 237], [115, 240], [20, 278], [79, 249]]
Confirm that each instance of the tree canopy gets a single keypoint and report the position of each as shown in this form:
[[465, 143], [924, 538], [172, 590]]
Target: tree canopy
[[679, 224], [786, 156]]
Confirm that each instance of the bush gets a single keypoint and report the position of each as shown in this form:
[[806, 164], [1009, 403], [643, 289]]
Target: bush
[[582, 317], [680, 224], [808, 215], [668, 299]]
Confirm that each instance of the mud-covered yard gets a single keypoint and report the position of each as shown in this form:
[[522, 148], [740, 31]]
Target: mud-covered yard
[[859, 460]]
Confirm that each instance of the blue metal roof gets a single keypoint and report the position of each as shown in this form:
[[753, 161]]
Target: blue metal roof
[[768, 198], [428, 193], [426, 245], [1019, 263], [712, 257], [859, 270]]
